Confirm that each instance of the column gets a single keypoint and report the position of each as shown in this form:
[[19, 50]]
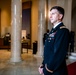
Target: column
[[67, 5], [41, 25], [50, 4], [16, 13]]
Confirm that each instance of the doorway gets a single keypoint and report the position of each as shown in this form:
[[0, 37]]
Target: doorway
[[26, 22]]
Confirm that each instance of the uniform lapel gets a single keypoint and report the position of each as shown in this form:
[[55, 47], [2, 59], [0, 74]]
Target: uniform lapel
[[56, 28]]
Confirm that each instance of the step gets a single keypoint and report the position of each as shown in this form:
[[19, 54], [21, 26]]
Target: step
[[73, 54]]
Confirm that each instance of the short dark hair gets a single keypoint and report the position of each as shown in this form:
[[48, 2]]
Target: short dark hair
[[60, 10]]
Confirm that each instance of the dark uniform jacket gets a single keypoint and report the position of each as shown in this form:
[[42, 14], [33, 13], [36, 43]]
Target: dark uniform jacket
[[55, 50]]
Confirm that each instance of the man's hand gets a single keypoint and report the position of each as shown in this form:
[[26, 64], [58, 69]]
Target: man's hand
[[40, 70]]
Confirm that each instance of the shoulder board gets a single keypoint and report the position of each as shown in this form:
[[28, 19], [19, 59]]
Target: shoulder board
[[62, 27]]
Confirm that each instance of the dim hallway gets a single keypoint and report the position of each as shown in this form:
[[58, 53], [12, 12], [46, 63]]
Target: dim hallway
[[29, 65]]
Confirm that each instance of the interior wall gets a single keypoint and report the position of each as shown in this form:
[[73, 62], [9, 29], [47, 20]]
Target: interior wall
[[73, 24], [5, 7]]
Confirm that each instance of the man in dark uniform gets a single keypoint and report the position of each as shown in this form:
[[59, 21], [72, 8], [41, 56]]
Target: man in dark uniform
[[56, 45]]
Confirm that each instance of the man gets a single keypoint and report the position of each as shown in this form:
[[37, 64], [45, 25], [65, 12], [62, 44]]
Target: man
[[56, 45]]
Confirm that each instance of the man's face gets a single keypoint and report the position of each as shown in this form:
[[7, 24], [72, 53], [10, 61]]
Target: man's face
[[55, 16]]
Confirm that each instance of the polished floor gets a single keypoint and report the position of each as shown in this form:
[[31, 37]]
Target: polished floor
[[28, 66]]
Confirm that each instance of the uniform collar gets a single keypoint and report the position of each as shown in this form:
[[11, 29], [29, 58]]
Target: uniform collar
[[56, 25]]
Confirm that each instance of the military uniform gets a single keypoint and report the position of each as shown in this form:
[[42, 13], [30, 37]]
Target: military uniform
[[55, 50]]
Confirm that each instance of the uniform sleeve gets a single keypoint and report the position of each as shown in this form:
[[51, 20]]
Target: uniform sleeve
[[60, 49], [43, 62]]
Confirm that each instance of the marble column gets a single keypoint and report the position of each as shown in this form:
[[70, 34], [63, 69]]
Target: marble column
[[41, 25], [50, 4], [16, 22], [67, 5]]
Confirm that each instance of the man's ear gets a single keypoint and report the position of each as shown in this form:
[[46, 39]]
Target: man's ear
[[60, 16]]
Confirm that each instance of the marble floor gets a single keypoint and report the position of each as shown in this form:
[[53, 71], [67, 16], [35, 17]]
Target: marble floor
[[28, 66]]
